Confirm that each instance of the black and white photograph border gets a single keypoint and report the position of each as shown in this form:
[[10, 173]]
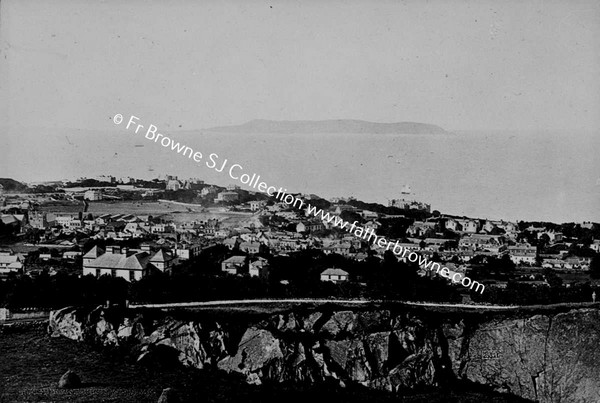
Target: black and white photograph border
[[223, 201]]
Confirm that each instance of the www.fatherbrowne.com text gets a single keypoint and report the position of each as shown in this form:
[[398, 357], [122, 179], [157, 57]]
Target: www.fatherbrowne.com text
[[236, 172]]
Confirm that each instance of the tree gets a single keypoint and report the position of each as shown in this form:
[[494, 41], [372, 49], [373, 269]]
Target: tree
[[595, 267], [553, 280]]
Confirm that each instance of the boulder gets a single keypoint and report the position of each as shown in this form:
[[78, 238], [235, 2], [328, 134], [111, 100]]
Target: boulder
[[69, 380], [66, 322], [169, 395], [341, 322], [105, 333], [257, 349]]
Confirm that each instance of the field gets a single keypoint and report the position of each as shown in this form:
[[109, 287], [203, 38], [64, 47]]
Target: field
[[172, 211], [32, 363]]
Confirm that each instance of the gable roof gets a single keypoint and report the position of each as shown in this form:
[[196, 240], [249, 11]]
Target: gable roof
[[161, 257], [235, 259], [93, 253], [8, 259], [334, 272], [137, 261]]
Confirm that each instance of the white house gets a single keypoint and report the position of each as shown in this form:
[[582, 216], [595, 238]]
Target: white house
[[334, 275], [92, 195], [234, 265], [259, 268]]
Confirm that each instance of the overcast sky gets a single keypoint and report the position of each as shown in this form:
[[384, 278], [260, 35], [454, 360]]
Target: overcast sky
[[518, 65]]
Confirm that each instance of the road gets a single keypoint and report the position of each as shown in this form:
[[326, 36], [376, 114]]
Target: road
[[266, 302], [318, 301]]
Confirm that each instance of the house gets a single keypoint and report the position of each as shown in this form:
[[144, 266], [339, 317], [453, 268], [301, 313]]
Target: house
[[250, 247], [372, 225], [10, 263], [92, 254], [92, 195], [507, 226], [227, 197], [553, 236], [334, 275], [163, 261], [339, 209], [45, 256], [118, 262], [434, 244], [234, 265], [103, 219], [173, 185], [343, 248], [135, 228], [39, 219], [259, 268], [479, 241], [161, 228], [309, 226], [488, 226], [208, 190], [187, 251], [71, 255], [10, 221], [369, 215], [257, 204], [231, 243], [470, 226], [453, 225], [420, 228], [552, 263], [523, 253]]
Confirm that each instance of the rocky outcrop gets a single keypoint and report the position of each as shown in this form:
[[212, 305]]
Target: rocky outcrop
[[69, 380], [67, 322], [543, 357]]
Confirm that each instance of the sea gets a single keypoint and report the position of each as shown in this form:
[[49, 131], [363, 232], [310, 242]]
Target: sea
[[531, 176]]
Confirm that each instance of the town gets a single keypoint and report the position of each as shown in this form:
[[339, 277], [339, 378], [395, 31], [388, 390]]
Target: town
[[172, 239]]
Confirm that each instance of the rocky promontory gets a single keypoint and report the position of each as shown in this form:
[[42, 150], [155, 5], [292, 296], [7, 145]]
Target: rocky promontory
[[545, 357]]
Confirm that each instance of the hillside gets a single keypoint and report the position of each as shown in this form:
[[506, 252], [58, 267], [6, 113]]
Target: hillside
[[329, 126], [11, 185]]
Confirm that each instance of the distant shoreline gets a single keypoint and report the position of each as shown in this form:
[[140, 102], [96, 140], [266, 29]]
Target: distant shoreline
[[339, 126]]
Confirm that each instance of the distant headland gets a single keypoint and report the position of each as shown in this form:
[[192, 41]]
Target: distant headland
[[329, 126]]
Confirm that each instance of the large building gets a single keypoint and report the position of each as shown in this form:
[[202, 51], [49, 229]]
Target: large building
[[173, 185], [10, 263], [523, 253], [407, 202], [227, 196], [128, 264], [39, 219], [92, 195]]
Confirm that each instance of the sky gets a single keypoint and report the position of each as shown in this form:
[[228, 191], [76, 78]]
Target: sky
[[529, 70], [186, 65]]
